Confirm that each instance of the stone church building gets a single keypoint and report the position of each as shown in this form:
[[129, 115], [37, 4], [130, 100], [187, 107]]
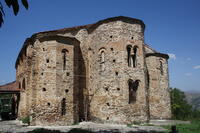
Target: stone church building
[[101, 72]]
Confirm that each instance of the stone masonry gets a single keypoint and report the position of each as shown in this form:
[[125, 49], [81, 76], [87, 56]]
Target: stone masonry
[[101, 72]]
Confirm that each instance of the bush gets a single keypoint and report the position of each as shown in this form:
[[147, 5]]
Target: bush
[[194, 127], [26, 120]]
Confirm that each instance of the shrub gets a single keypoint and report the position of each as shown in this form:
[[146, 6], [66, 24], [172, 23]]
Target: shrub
[[26, 120]]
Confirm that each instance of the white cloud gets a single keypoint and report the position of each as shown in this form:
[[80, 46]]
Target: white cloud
[[172, 56], [2, 81], [188, 74], [188, 59], [197, 67]]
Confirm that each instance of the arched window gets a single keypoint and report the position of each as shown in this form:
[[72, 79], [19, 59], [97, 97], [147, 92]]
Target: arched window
[[102, 56], [64, 58], [132, 86], [23, 84], [63, 106], [134, 56], [161, 67], [129, 55], [102, 59]]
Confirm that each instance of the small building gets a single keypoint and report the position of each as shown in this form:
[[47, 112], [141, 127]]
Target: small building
[[102, 72], [9, 100]]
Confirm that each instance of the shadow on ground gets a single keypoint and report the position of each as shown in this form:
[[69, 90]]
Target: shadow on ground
[[78, 130]]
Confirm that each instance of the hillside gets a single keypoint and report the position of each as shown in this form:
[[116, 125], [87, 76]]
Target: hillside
[[193, 98]]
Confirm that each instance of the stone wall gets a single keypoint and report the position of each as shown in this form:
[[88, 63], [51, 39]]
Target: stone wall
[[159, 95], [108, 86], [87, 75]]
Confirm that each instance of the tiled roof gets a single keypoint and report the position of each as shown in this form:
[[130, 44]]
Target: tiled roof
[[12, 86]]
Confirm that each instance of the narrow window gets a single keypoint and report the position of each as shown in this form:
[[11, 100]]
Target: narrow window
[[102, 56], [63, 106], [64, 58], [102, 59], [161, 67], [133, 86], [129, 55], [23, 84], [134, 56]]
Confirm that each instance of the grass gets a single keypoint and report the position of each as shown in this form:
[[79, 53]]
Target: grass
[[139, 124], [194, 127], [26, 120]]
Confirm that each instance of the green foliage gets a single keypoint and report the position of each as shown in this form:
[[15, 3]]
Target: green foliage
[[15, 6], [129, 125], [5, 103], [76, 123], [5, 95], [181, 110], [26, 120], [195, 102], [194, 127], [134, 123]]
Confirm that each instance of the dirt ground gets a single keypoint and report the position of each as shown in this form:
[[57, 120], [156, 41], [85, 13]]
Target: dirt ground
[[15, 126]]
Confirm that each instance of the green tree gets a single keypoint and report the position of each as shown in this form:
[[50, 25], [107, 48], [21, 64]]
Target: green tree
[[11, 4], [180, 108]]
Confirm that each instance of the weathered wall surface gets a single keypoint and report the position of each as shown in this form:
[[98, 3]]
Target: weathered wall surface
[[108, 80], [91, 75], [159, 96], [49, 83]]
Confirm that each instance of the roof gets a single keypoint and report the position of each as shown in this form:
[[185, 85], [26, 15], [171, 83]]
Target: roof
[[158, 55], [73, 30], [91, 27], [9, 87]]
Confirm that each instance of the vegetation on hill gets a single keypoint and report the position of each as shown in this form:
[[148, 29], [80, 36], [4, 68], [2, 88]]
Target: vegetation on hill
[[193, 98], [181, 109]]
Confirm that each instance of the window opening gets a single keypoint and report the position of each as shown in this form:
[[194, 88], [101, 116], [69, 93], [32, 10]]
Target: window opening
[[129, 55], [132, 86], [102, 60], [64, 56], [63, 106], [161, 67], [47, 60], [134, 56], [23, 84], [43, 89]]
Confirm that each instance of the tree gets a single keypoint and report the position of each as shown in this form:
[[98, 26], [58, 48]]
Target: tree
[[180, 108], [15, 6]]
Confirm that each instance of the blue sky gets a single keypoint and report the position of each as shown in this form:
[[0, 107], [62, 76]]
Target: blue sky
[[172, 26]]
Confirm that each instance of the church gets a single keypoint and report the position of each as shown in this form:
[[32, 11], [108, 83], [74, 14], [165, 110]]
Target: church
[[102, 72]]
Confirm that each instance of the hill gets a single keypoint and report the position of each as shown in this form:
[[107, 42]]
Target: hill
[[193, 98]]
